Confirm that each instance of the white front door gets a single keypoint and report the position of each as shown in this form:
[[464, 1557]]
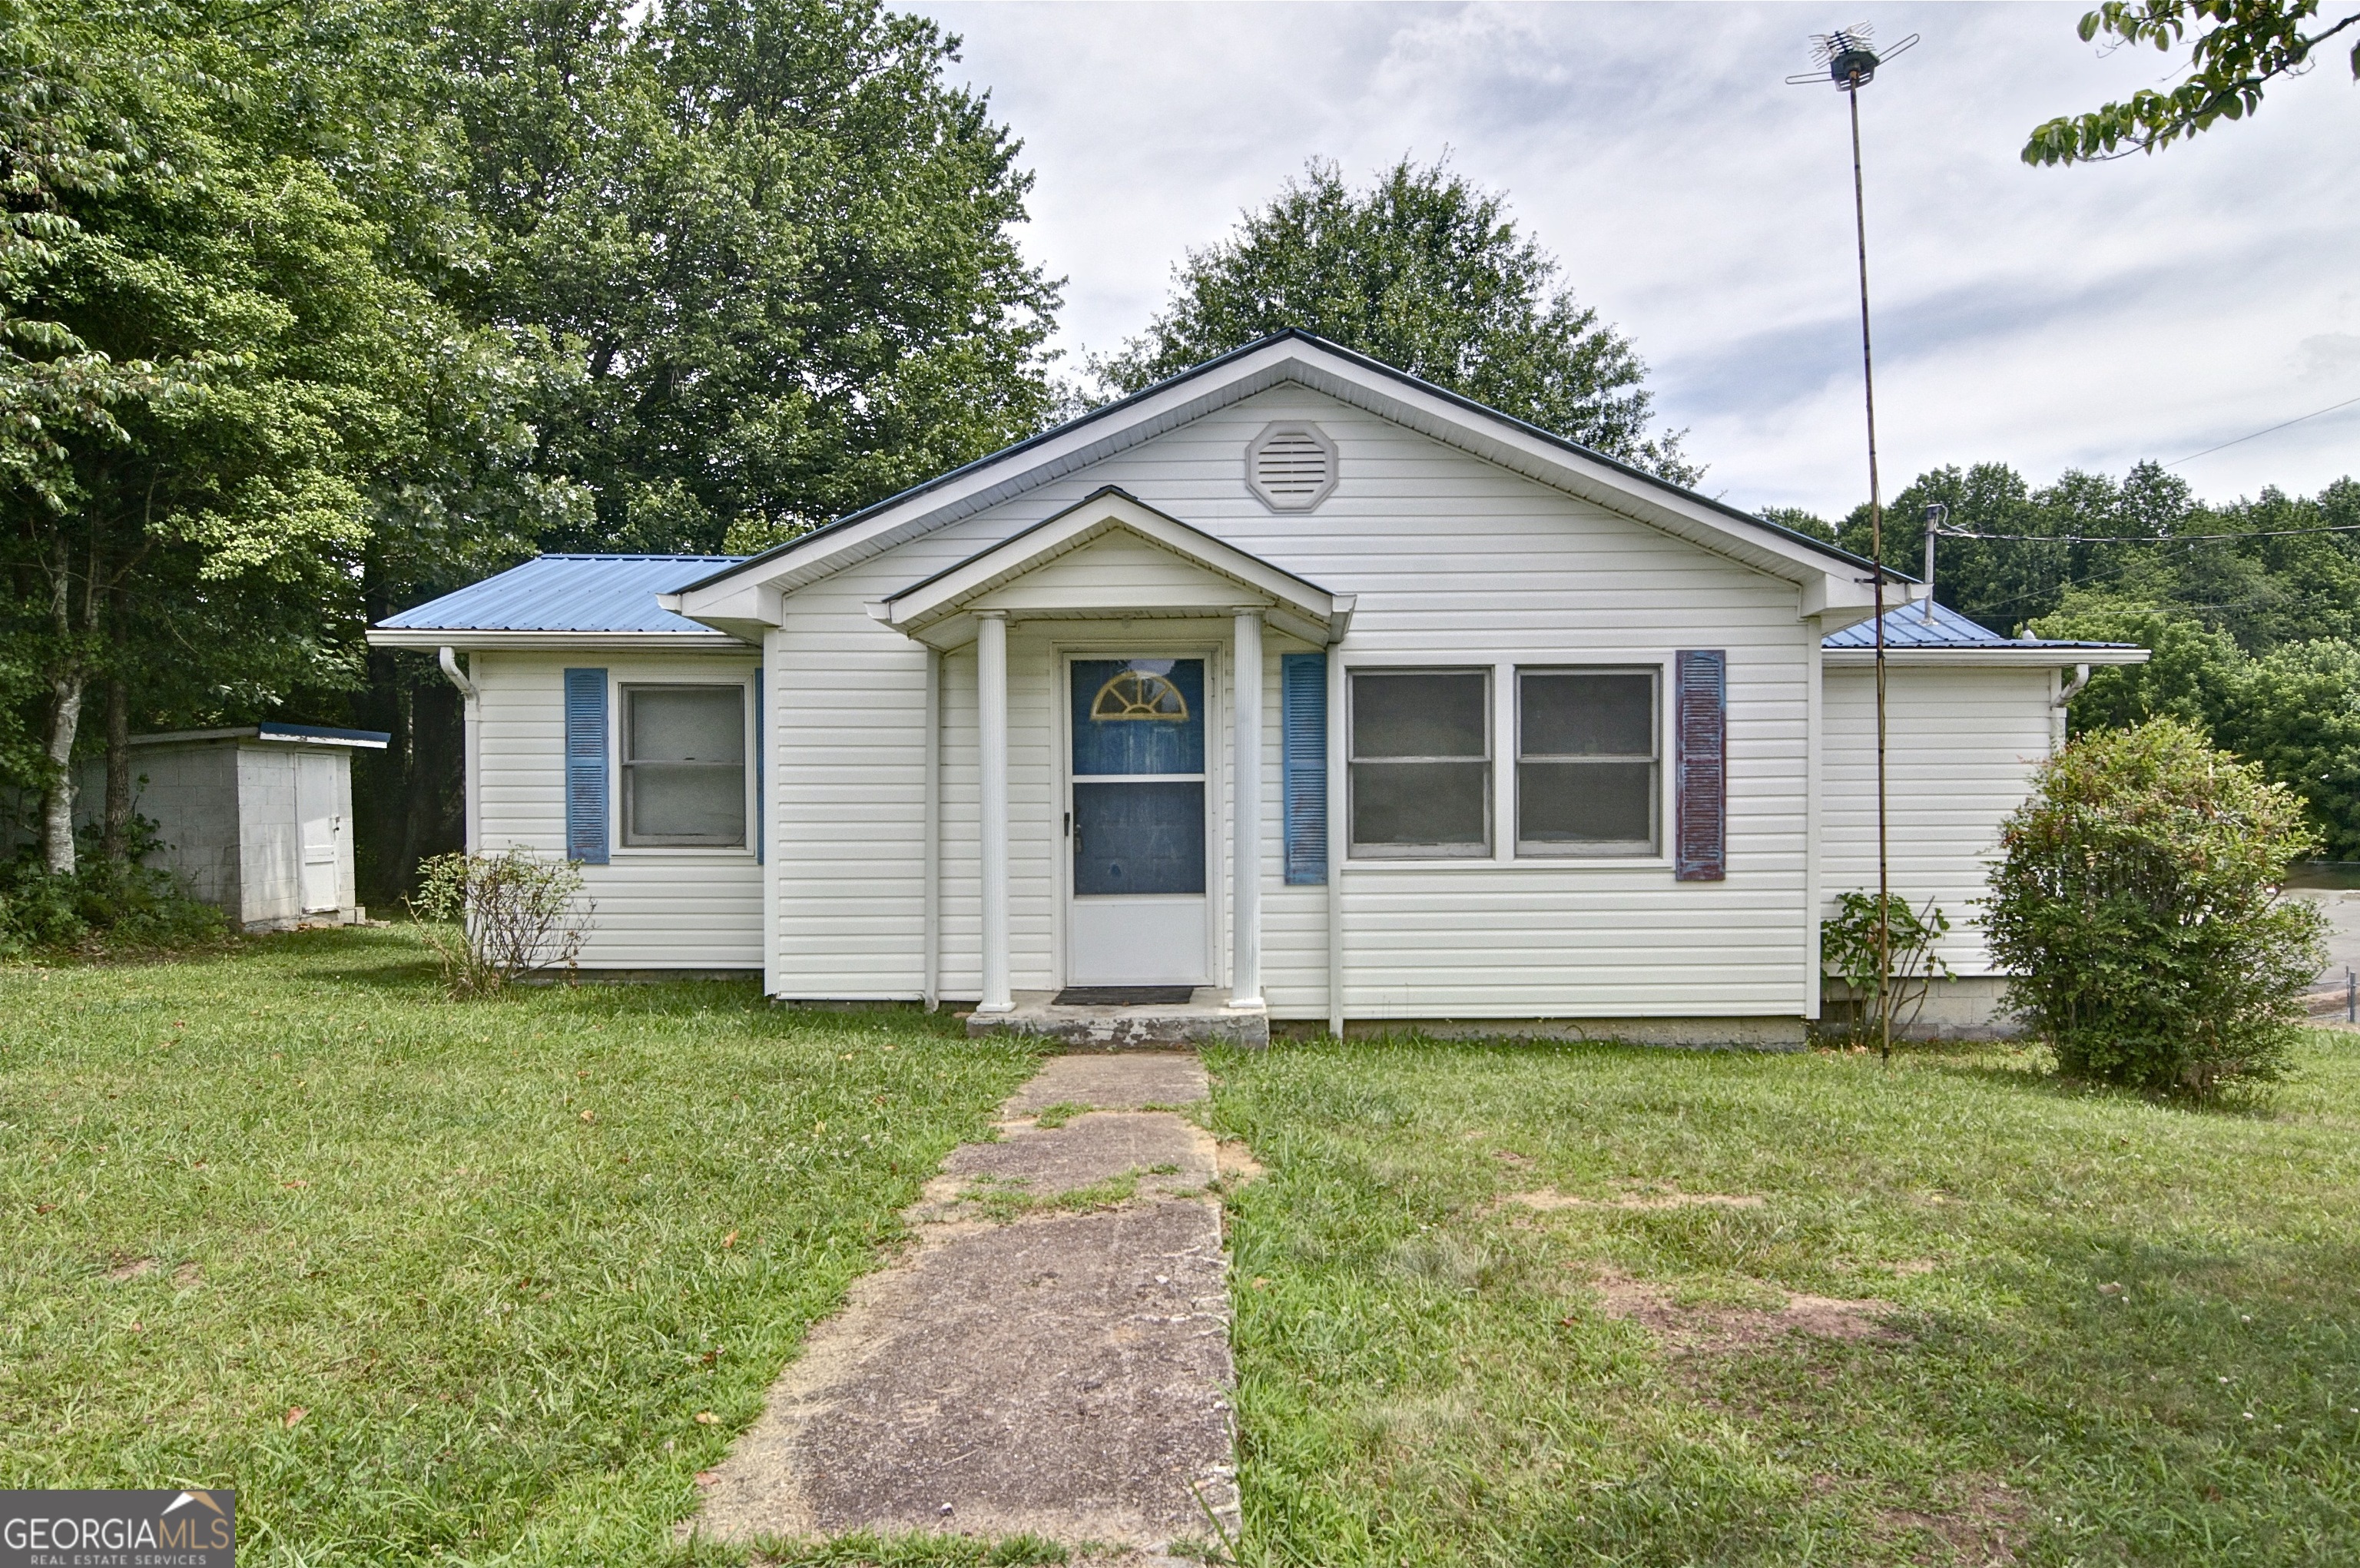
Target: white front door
[[320, 826], [1135, 824]]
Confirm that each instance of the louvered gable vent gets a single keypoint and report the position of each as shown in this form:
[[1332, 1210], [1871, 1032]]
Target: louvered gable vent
[[1290, 466]]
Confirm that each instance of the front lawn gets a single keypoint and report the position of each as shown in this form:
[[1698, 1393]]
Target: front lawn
[[432, 1281], [490, 1282], [2119, 1331]]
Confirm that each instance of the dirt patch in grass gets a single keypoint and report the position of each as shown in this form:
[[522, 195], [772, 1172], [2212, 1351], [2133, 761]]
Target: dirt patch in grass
[[1982, 1528], [1235, 1162], [1711, 1327], [124, 1269], [1548, 1199]]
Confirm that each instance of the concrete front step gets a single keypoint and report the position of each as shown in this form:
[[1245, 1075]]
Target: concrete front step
[[1205, 1017]]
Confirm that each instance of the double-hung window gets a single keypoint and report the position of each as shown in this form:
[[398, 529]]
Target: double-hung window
[[1421, 762], [1589, 763], [685, 765]]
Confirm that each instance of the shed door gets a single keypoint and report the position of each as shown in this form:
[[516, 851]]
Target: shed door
[[320, 827]]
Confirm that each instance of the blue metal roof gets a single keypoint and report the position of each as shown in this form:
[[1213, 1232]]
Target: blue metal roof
[[568, 593], [1909, 627]]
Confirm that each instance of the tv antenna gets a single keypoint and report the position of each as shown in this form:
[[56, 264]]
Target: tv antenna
[[1850, 62]]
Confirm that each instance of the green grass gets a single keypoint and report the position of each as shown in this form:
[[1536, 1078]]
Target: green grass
[[1428, 1375], [291, 1178], [500, 1255]]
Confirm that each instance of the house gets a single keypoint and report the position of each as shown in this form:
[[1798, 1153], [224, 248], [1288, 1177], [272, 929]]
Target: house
[[1525, 737], [256, 819]]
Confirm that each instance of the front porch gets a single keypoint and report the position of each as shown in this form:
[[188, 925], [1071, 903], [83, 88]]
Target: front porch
[[1119, 689]]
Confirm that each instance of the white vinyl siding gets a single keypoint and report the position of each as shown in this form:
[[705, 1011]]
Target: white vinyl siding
[[1456, 562], [656, 907], [1961, 747]]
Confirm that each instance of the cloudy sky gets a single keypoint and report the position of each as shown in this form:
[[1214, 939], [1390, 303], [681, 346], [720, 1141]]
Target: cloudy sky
[[2086, 318]]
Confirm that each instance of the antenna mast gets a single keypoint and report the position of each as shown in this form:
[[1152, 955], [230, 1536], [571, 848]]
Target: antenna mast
[[1850, 65]]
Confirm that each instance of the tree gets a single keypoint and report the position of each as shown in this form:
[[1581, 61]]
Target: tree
[[1428, 274], [193, 544], [2247, 45], [775, 245], [2195, 674]]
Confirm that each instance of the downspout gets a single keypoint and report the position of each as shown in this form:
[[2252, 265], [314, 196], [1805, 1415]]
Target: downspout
[[473, 709], [2065, 695]]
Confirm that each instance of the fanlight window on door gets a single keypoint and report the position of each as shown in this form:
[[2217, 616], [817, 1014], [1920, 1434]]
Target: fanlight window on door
[[1140, 693]]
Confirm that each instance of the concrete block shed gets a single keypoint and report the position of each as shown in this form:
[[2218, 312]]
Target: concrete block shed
[[256, 819]]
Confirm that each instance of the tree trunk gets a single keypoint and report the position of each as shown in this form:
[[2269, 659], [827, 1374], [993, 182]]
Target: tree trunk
[[57, 806], [114, 834], [65, 721]]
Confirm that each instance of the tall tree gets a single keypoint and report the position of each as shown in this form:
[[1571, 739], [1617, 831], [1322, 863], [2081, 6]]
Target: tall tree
[[775, 242], [2240, 48], [1429, 274], [193, 542]]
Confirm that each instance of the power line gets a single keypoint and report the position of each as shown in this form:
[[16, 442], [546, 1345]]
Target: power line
[[2257, 434], [2146, 538]]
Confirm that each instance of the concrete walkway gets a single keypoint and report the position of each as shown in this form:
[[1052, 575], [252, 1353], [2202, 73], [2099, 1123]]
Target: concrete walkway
[[1051, 1359]]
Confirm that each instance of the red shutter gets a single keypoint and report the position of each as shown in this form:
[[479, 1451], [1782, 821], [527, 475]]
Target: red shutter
[[1701, 850]]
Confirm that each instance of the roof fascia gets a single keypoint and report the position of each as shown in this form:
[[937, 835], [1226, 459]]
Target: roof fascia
[[1352, 379], [2032, 657], [990, 480], [608, 641], [1095, 516]]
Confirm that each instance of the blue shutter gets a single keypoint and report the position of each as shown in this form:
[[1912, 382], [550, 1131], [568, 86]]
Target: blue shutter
[[760, 718], [585, 766], [1701, 723], [1302, 748]]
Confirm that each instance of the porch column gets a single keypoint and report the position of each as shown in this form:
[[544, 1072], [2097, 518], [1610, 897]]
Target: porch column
[[1245, 701], [991, 719]]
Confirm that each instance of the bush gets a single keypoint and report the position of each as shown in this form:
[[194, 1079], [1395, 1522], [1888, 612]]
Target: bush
[[1848, 948], [2137, 899], [491, 918], [104, 905]]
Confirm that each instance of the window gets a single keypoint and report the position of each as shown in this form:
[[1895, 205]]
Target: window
[[685, 765], [1421, 762], [1587, 779]]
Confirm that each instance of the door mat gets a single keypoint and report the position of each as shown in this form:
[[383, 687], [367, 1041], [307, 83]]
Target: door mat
[[1125, 995]]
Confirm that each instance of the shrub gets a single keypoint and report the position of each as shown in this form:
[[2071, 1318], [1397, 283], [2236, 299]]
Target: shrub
[[2137, 899], [1848, 948], [491, 918], [102, 906]]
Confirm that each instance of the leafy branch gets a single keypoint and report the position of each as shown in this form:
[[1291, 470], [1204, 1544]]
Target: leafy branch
[[2249, 44]]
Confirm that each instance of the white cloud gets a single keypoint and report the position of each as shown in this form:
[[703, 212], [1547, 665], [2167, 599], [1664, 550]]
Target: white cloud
[[2089, 317]]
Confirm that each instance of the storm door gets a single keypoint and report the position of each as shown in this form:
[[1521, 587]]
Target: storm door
[[1135, 826]]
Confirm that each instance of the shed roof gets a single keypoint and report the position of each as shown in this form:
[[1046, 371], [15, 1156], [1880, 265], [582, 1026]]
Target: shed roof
[[569, 593], [1909, 627], [271, 730]]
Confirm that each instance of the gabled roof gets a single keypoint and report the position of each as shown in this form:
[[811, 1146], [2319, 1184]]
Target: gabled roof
[[1223, 577], [1831, 577], [613, 595], [1908, 631]]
